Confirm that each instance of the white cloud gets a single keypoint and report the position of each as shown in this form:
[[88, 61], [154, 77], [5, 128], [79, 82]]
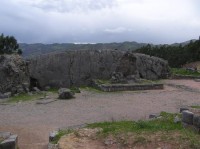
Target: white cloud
[[117, 30]]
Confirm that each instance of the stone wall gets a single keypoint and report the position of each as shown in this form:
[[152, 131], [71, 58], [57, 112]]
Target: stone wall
[[9, 141], [14, 74], [80, 67], [191, 118], [129, 87]]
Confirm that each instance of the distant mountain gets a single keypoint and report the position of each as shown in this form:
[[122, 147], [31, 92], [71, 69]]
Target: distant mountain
[[184, 43], [38, 48]]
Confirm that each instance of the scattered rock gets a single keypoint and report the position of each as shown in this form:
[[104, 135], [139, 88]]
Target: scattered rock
[[36, 89], [151, 116], [183, 109], [52, 135], [9, 141], [187, 117], [65, 93]]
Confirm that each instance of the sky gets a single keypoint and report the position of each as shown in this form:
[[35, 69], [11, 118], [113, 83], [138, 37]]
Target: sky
[[100, 21]]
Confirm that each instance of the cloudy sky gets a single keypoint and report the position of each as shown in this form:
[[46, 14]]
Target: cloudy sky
[[92, 21]]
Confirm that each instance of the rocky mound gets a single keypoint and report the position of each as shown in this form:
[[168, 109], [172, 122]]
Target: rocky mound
[[75, 68], [14, 74], [142, 66]]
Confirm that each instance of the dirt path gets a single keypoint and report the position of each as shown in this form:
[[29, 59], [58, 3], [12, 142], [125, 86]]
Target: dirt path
[[33, 122]]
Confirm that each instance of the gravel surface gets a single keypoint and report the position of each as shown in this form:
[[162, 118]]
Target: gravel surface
[[33, 122]]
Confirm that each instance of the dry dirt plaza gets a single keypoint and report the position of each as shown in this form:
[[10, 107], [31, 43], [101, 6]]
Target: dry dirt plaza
[[33, 122]]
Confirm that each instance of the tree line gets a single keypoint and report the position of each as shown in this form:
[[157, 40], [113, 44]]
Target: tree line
[[176, 55], [9, 45]]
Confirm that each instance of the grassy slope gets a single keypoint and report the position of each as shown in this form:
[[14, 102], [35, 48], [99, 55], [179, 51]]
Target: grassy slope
[[163, 129], [181, 71]]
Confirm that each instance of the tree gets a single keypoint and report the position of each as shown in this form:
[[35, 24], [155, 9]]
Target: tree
[[9, 45]]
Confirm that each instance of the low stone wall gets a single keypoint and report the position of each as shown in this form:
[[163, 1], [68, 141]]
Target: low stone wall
[[8, 140], [191, 118], [129, 87]]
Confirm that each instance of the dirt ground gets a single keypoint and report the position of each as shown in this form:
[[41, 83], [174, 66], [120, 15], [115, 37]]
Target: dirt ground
[[33, 122]]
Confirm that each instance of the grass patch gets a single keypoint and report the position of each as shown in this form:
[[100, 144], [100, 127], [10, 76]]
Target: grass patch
[[98, 81], [165, 126], [166, 123], [184, 72], [75, 89], [196, 107], [53, 90], [91, 89], [60, 134], [25, 97]]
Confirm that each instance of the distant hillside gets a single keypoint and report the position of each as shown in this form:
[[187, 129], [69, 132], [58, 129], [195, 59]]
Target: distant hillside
[[38, 48], [176, 54]]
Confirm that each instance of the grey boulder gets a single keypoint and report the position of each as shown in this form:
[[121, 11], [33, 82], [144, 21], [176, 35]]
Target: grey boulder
[[65, 93]]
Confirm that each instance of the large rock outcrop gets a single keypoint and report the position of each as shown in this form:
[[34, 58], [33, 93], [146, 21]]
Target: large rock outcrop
[[14, 74], [75, 68], [142, 66]]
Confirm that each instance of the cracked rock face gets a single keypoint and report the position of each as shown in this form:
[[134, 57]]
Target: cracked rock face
[[143, 66], [14, 74], [76, 68]]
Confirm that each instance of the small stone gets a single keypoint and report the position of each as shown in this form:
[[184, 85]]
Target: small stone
[[65, 93], [52, 135], [183, 109], [153, 116], [187, 117], [36, 89]]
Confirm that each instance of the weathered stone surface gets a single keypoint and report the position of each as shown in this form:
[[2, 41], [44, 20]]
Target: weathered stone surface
[[10, 142], [143, 66], [196, 121], [65, 93], [187, 117], [36, 89], [183, 109], [5, 135], [14, 74], [80, 67]]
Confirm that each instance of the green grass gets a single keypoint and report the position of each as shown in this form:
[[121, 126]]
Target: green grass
[[166, 123], [181, 71], [91, 89], [75, 89], [53, 90], [163, 129], [196, 107], [25, 97], [163, 125], [98, 81], [60, 134]]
